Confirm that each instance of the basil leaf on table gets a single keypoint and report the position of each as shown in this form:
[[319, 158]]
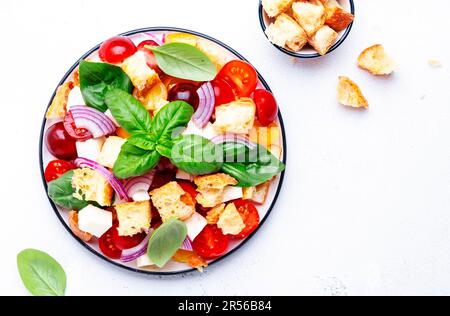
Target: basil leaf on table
[[134, 161], [259, 167], [165, 241], [97, 79], [196, 155], [41, 274], [61, 192], [129, 112], [184, 61], [170, 121]]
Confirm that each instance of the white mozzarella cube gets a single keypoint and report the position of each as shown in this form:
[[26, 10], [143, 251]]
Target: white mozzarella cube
[[181, 175], [144, 261], [94, 220], [140, 196], [110, 151], [109, 115], [232, 193], [75, 98], [195, 225], [91, 148], [209, 131]]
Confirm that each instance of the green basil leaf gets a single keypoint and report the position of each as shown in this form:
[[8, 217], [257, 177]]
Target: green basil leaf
[[184, 61], [61, 192], [256, 168], [134, 161], [97, 79], [143, 141], [129, 112], [165, 241], [41, 274], [164, 147], [196, 155], [171, 120]]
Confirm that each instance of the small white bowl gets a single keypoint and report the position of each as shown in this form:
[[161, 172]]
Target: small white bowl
[[307, 51]]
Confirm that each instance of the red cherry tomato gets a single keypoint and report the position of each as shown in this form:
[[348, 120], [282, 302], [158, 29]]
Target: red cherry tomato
[[107, 246], [188, 188], [59, 143], [223, 92], [80, 134], [117, 49], [266, 106], [126, 242], [241, 76], [149, 56], [56, 169], [211, 242], [249, 215], [185, 92]]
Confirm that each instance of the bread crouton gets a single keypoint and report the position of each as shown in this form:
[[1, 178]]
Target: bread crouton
[[173, 202], [211, 188], [337, 18], [134, 218], [350, 94], [323, 39], [90, 185], [285, 31], [73, 224], [213, 215], [375, 60], [230, 221], [110, 151], [261, 192], [58, 107], [142, 76], [275, 7], [236, 117], [248, 193], [154, 97], [310, 15]]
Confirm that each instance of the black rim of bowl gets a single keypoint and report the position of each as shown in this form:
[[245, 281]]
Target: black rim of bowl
[[301, 55], [98, 254]]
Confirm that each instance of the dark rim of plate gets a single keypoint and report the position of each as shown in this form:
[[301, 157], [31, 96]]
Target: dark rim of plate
[[98, 254], [304, 55]]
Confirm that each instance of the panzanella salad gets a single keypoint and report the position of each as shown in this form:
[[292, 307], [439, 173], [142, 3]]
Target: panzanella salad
[[163, 148]]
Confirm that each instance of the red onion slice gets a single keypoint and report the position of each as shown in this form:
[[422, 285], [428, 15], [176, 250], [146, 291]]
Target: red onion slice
[[234, 138], [138, 184], [187, 245], [92, 120], [132, 254], [159, 39], [113, 181], [206, 106]]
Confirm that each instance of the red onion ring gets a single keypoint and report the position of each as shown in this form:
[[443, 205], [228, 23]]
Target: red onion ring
[[187, 245], [132, 254], [206, 106], [141, 183], [234, 138], [92, 120]]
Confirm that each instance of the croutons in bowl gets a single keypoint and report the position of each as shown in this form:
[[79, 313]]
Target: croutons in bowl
[[157, 155], [306, 28]]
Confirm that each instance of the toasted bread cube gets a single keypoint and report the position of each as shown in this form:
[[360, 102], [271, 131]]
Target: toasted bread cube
[[142, 76], [213, 215], [331, 4], [375, 60], [350, 94], [173, 202], [285, 31], [58, 108], [91, 186], [236, 117], [310, 15], [323, 39], [261, 192], [248, 193], [275, 7], [337, 18], [211, 188], [134, 218], [230, 221], [110, 151]]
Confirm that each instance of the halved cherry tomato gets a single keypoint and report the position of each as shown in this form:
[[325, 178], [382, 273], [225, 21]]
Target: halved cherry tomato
[[211, 242], [188, 188], [186, 92], [241, 76], [56, 169], [73, 223], [107, 246], [249, 215], [149, 56], [266, 106], [59, 143], [223, 92], [80, 134], [117, 49], [126, 242]]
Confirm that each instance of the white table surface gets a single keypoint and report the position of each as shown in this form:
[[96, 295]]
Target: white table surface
[[365, 207]]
